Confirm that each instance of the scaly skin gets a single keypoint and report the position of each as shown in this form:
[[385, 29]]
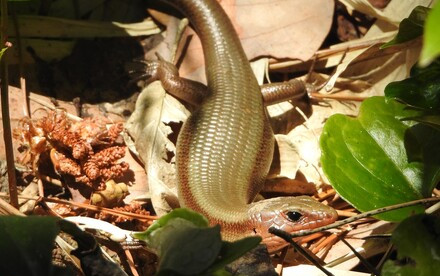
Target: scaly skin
[[225, 148]]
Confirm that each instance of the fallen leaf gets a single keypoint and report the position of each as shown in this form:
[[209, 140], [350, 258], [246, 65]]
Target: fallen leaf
[[368, 63], [306, 138], [150, 127], [284, 29]]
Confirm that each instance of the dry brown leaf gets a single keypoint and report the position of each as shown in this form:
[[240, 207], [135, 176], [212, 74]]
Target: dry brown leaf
[[284, 29], [341, 257], [150, 128], [138, 188], [370, 64], [393, 13], [288, 157], [288, 186], [306, 138]]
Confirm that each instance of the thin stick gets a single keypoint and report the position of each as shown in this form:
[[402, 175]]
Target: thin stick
[[361, 258], [275, 231], [131, 262], [7, 135], [285, 236], [344, 213], [88, 207], [8, 209], [385, 256], [26, 106], [316, 95], [328, 240], [280, 265]]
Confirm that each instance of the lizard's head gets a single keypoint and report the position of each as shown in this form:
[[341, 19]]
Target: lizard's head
[[291, 214]]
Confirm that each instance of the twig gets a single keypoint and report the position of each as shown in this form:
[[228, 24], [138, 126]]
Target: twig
[[280, 265], [361, 258], [385, 256], [7, 135], [131, 262], [275, 231], [316, 95], [88, 207], [328, 240], [345, 213], [51, 107], [8, 209], [26, 106], [285, 236]]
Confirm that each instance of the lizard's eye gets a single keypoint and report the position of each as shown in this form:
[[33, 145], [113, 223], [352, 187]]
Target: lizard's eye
[[293, 215]]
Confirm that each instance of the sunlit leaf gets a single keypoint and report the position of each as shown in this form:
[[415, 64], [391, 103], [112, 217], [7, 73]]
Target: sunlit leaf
[[195, 218], [377, 159], [431, 40], [421, 89], [409, 28]]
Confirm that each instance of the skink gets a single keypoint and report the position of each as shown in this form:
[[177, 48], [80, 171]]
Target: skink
[[224, 149]]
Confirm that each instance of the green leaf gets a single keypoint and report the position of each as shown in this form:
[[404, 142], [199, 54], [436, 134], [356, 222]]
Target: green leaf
[[26, 245], [409, 28], [376, 159], [187, 246], [231, 251], [220, 272], [2, 51], [418, 239], [421, 89], [186, 249], [431, 39], [196, 218], [431, 120]]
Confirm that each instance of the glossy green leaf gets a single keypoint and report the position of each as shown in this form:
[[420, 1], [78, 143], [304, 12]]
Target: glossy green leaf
[[417, 240], [431, 120], [187, 246], [231, 251], [186, 249], [431, 39], [194, 217], [26, 245], [378, 160], [421, 89], [410, 28]]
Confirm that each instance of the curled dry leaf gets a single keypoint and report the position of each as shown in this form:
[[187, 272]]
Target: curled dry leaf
[[150, 127], [370, 64]]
